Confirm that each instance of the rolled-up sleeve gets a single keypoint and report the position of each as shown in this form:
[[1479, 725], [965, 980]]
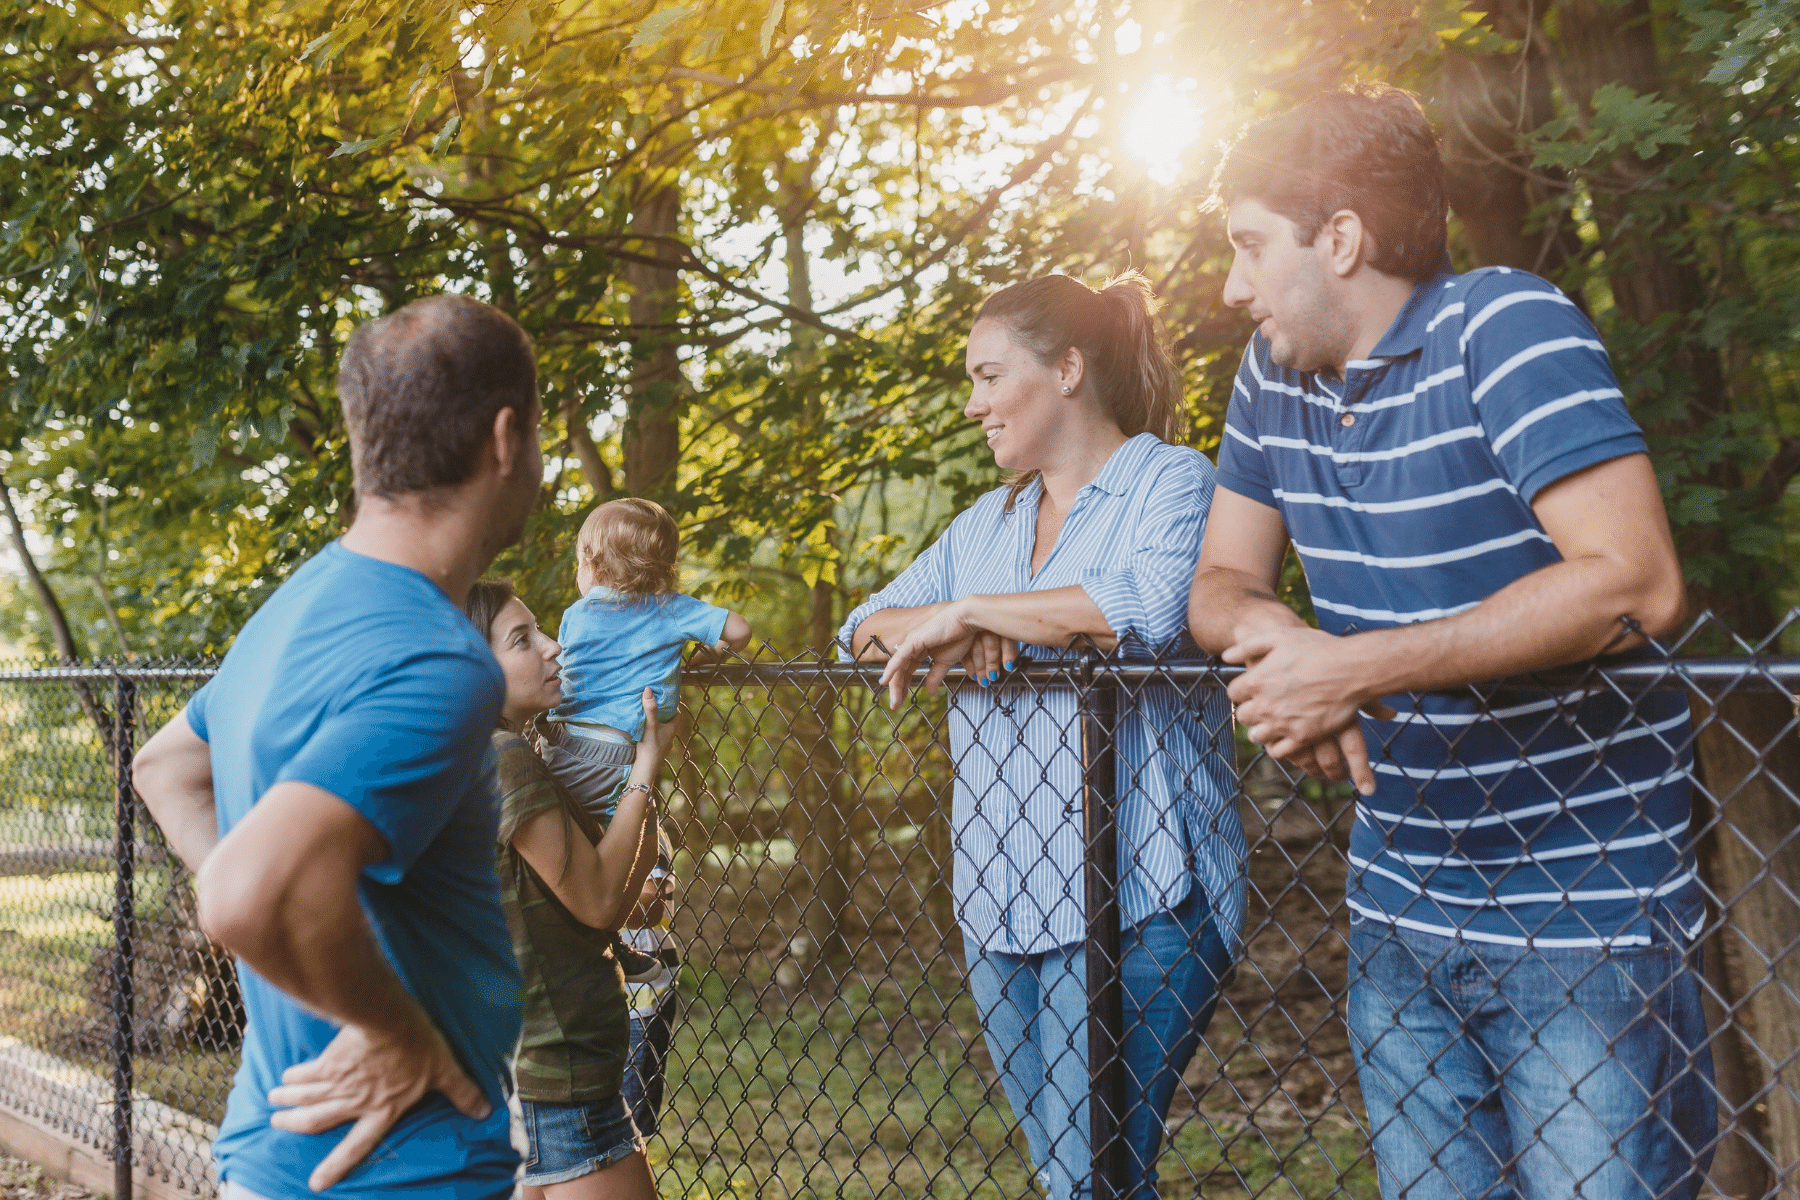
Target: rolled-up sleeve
[[925, 581], [1146, 592]]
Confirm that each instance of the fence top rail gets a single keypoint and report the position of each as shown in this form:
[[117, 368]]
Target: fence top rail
[[1708, 675], [107, 673]]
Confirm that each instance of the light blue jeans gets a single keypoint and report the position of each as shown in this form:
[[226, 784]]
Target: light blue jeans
[[1499, 1072], [1034, 1016]]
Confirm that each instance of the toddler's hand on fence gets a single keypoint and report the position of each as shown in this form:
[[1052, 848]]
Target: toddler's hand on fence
[[371, 1079]]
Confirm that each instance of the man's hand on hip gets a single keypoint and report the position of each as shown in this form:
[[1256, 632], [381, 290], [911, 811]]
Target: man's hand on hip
[[371, 1079], [1300, 698]]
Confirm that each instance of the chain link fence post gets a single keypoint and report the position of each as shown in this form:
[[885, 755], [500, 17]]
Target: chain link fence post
[[1099, 714], [124, 914]]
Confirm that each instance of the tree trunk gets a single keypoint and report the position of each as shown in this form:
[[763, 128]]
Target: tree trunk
[[653, 412], [1488, 102], [825, 845], [1748, 760], [587, 452]]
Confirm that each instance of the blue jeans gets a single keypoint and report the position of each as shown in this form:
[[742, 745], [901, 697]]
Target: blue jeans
[[1505, 1072], [1034, 1016]]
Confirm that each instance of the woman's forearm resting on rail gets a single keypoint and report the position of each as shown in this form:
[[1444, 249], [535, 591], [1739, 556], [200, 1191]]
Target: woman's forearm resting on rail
[[983, 634]]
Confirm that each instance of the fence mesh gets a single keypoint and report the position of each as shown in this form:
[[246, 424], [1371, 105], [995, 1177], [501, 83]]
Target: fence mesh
[[825, 1037]]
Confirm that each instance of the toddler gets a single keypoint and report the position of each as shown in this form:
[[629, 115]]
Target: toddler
[[624, 634]]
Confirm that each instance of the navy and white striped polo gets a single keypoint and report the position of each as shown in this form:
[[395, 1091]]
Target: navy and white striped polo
[[1406, 487]]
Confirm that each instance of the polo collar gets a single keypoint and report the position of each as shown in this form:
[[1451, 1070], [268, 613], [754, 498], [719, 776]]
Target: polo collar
[[1407, 334]]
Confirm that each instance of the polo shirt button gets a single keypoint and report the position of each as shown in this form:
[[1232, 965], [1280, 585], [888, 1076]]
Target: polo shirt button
[[1348, 420]]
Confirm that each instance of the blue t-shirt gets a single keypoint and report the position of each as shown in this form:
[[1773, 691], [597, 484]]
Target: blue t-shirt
[[614, 647], [361, 678], [1406, 487]]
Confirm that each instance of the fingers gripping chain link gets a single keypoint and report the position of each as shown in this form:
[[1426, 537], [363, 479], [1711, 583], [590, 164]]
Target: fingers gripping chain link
[[983, 942]]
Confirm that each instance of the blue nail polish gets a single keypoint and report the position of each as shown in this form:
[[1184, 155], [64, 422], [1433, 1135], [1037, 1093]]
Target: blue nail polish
[[1009, 664], [982, 680], [993, 676]]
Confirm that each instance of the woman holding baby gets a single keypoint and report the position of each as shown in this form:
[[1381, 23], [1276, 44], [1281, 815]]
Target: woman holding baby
[[1095, 539], [568, 884]]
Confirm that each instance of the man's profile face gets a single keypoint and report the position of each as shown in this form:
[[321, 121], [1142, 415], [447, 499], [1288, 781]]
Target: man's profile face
[[1285, 286]]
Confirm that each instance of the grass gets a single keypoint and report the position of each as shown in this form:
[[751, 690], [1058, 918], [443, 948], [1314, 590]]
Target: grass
[[882, 1089], [877, 1085]]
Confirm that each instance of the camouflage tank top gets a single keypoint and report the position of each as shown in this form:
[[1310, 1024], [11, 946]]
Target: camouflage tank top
[[577, 1020]]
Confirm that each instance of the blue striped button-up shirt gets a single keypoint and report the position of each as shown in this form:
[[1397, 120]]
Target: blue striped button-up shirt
[[1131, 540]]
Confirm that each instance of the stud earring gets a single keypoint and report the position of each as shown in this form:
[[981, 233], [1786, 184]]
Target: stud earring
[[1065, 389]]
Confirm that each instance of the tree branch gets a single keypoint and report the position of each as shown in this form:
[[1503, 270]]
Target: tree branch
[[59, 623], [581, 440]]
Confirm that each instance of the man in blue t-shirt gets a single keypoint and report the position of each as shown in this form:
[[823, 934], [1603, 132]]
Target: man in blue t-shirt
[[331, 790], [1452, 460]]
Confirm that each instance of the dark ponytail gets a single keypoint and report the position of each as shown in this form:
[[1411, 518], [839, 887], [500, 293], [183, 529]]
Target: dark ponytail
[[1126, 358]]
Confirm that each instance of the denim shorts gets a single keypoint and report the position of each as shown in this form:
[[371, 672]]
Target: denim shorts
[[567, 1141]]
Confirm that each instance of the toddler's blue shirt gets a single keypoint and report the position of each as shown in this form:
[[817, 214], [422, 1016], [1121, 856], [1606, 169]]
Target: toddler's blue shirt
[[614, 647]]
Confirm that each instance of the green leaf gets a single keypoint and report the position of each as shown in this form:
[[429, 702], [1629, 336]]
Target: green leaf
[[365, 144], [446, 135], [204, 446], [652, 28], [515, 28], [776, 9]]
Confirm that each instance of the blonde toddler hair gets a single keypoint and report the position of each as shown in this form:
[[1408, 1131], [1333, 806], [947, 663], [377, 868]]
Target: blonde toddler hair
[[631, 546]]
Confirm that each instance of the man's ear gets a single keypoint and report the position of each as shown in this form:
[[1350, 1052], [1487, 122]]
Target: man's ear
[[508, 446], [1347, 244]]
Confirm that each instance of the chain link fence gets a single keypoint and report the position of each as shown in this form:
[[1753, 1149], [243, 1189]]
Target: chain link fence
[[826, 1041]]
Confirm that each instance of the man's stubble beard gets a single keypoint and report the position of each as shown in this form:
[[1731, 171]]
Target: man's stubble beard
[[508, 529], [1318, 335]]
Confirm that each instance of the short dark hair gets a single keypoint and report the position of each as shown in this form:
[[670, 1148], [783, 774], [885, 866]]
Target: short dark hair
[[1367, 148], [421, 387]]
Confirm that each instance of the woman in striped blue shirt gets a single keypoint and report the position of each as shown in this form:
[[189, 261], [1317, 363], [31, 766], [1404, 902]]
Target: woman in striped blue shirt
[[1096, 537]]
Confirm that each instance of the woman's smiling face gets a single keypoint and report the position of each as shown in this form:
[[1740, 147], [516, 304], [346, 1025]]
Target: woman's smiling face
[[528, 660], [1018, 400]]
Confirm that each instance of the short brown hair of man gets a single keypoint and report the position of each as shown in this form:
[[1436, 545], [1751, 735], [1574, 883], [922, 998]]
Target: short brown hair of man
[[1367, 148], [421, 387], [632, 546]]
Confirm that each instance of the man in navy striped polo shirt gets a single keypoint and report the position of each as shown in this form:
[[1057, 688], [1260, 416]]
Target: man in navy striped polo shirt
[[1452, 460]]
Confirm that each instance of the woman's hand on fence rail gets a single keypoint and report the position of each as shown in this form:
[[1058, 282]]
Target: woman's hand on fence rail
[[947, 638]]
